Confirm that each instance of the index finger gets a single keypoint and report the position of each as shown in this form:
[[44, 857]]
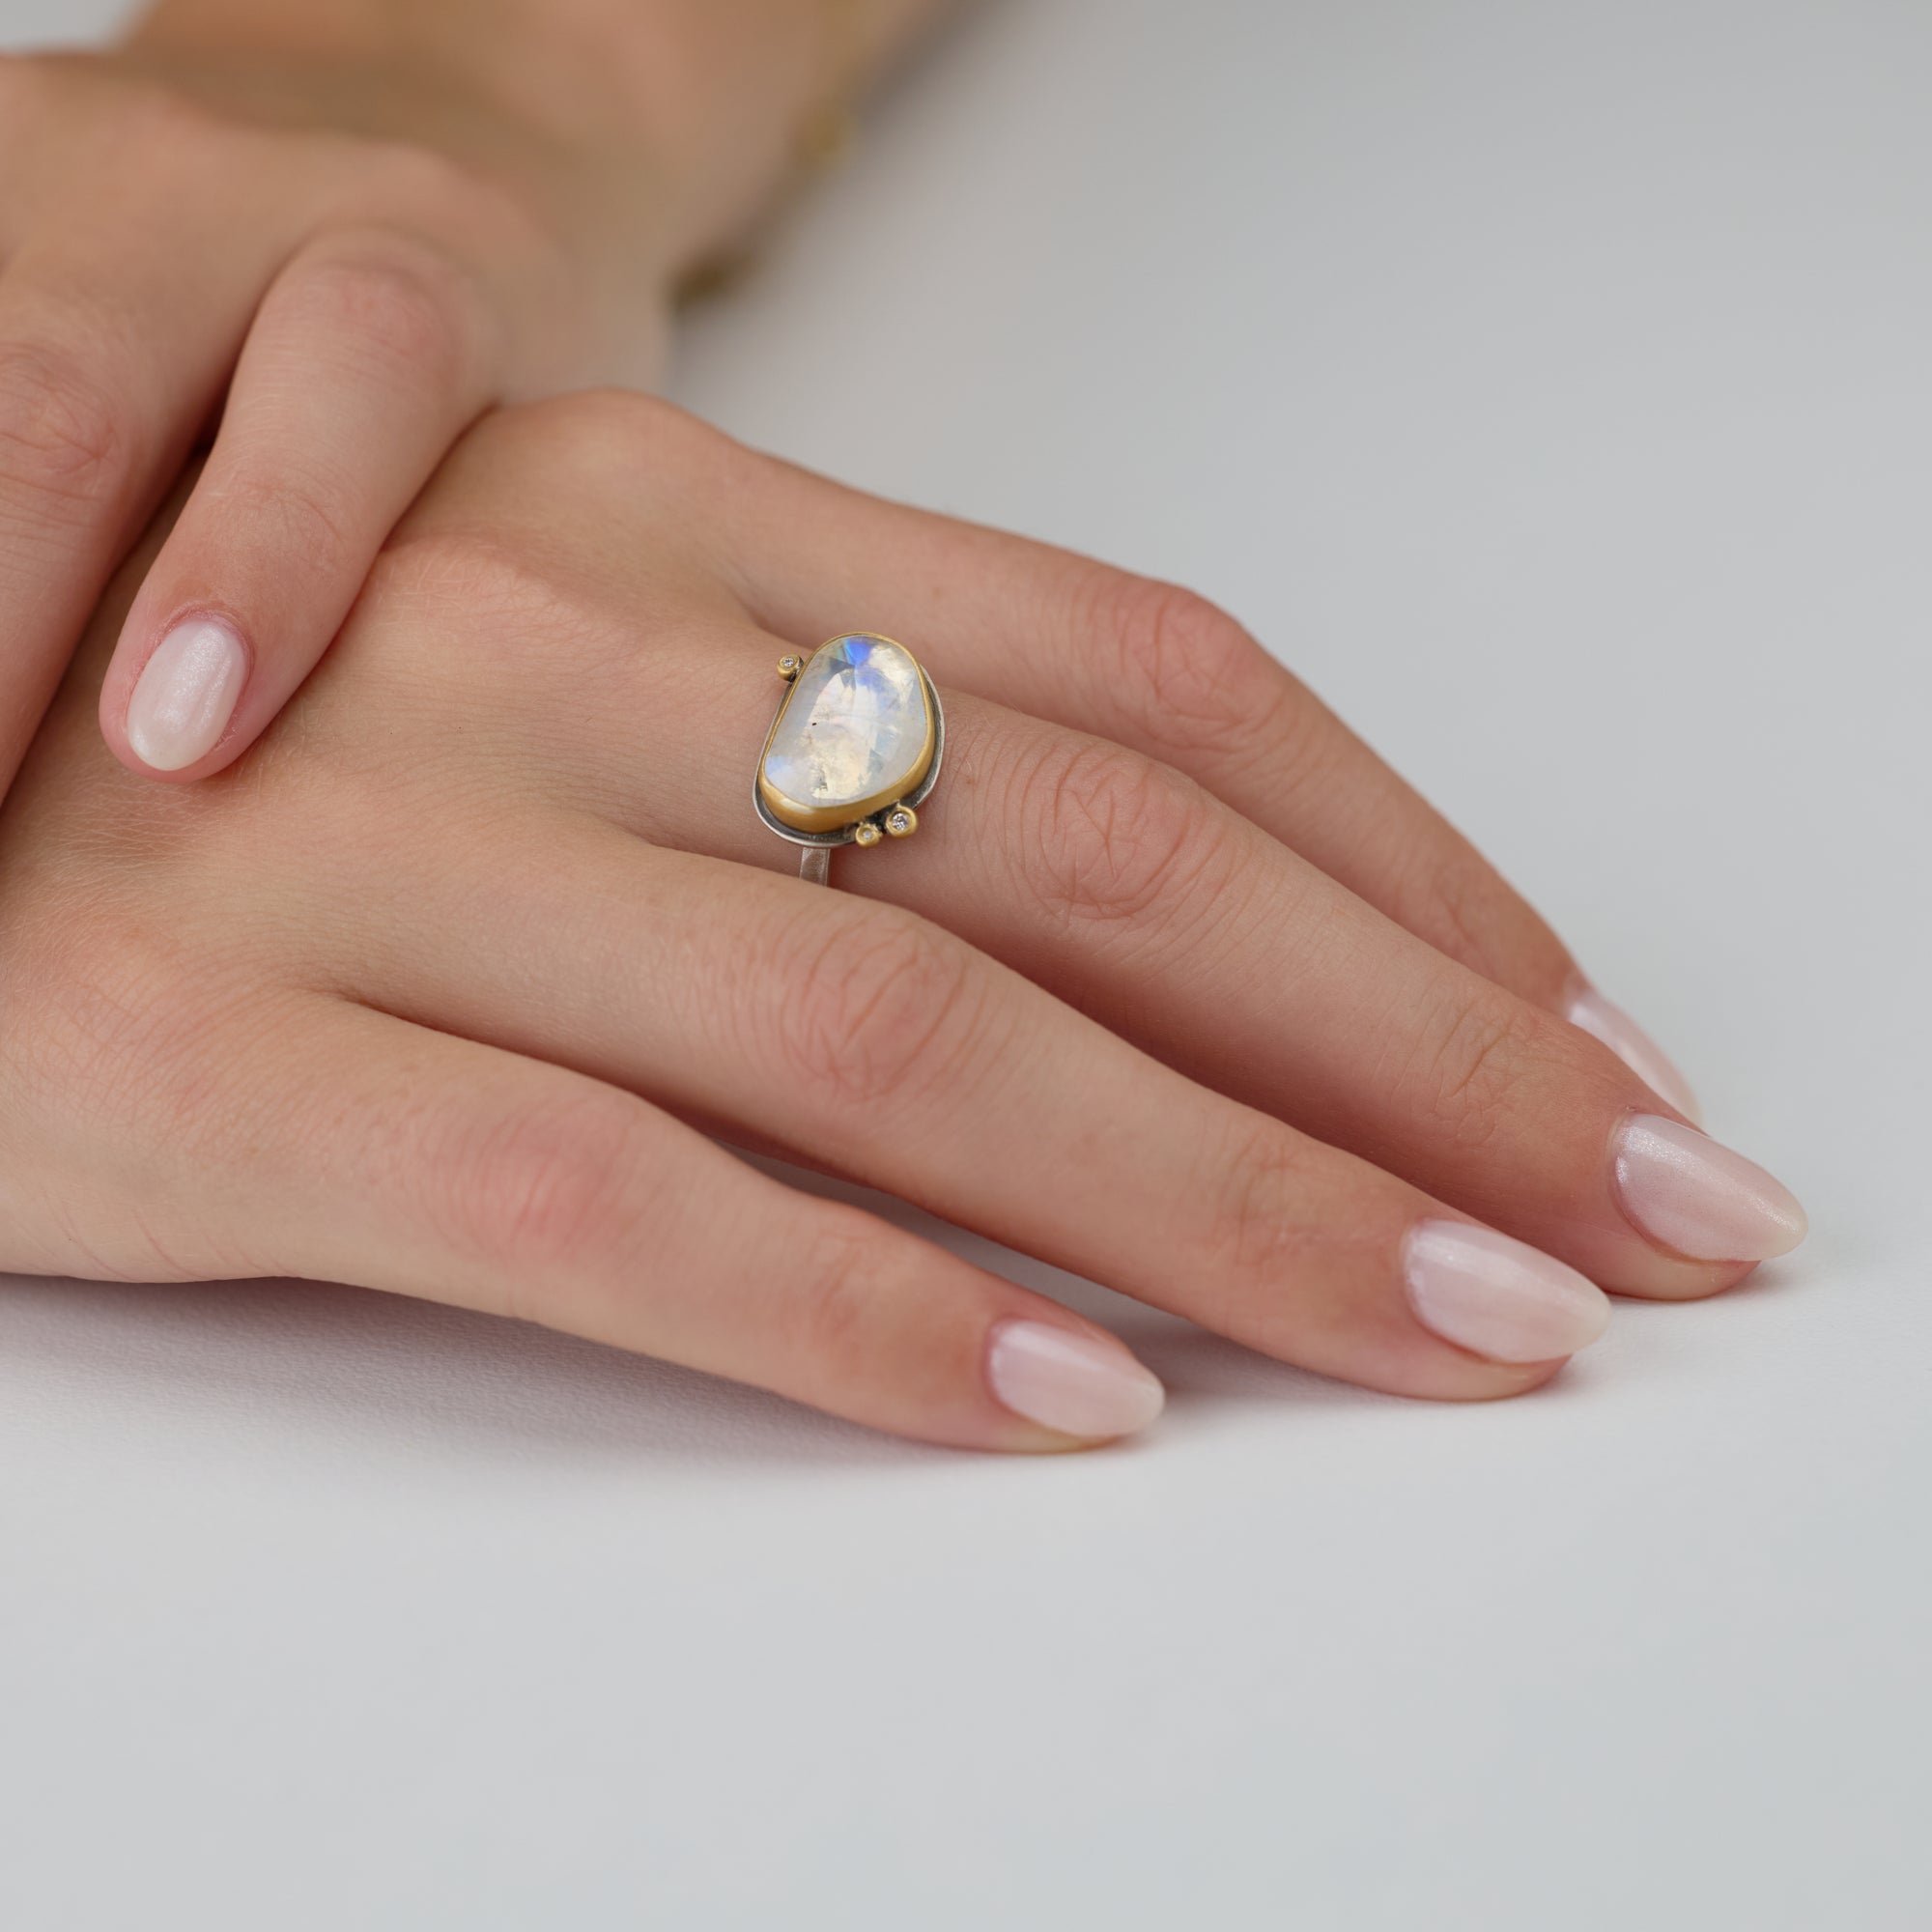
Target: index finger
[[112, 354]]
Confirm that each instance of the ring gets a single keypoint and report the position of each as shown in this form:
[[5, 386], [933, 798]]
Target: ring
[[853, 751]]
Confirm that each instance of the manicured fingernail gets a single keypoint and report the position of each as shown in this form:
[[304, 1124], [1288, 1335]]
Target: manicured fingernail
[[1701, 1200], [1499, 1297], [1635, 1048], [186, 697], [1074, 1384]]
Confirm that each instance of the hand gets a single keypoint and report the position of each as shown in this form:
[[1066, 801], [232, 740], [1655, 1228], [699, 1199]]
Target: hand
[[345, 229], [1175, 986]]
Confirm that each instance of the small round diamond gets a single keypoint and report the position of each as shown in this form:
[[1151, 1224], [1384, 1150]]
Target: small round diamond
[[902, 821], [867, 832]]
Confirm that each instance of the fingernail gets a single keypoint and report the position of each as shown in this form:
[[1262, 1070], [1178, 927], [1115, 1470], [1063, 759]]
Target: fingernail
[[1701, 1200], [186, 697], [1074, 1384], [1635, 1048], [1498, 1298]]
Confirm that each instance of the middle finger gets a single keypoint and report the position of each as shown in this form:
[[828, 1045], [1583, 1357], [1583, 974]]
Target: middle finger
[[871, 1043]]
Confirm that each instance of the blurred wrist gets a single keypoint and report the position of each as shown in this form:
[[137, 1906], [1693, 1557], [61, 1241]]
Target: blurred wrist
[[687, 113]]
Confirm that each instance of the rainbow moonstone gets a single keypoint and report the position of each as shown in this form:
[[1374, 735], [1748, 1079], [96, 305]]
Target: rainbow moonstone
[[856, 730]]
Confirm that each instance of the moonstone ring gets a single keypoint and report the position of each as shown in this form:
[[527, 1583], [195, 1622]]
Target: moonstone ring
[[853, 751]]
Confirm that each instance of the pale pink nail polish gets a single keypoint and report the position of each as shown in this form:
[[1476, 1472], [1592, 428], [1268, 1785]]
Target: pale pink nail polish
[[1610, 1024], [1498, 1298], [1073, 1383], [187, 694], [1701, 1200]]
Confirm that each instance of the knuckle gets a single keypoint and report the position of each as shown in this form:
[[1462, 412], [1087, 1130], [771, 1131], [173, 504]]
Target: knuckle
[[411, 174], [1467, 1060], [543, 1192], [108, 1053], [594, 427], [624, 443], [490, 576], [521, 612], [474, 568], [830, 1309], [302, 516], [612, 430], [1191, 675], [1106, 831], [398, 301], [875, 1008], [1260, 1176], [61, 434], [104, 1019]]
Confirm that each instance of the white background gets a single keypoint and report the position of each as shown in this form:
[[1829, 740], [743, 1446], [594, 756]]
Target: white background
[[1548, 384]]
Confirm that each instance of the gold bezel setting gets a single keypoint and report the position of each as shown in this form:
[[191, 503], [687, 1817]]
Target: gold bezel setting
[[891, 813]]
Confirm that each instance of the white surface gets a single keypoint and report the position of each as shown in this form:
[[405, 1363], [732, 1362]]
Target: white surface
[[1549, 383]]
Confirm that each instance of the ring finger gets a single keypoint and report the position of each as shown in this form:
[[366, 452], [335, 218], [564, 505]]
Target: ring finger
[[1129, 892], [1153, 666]]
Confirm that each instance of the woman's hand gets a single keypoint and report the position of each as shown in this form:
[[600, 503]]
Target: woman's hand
[[344, 227], [1176, 986]]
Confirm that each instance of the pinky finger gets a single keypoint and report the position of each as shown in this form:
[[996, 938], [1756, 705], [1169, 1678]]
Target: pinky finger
[[436, 1167], [368, 359]]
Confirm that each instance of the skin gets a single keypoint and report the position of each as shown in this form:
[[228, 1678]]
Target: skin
[[433, 992], [1176, 986], [331, 234]]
